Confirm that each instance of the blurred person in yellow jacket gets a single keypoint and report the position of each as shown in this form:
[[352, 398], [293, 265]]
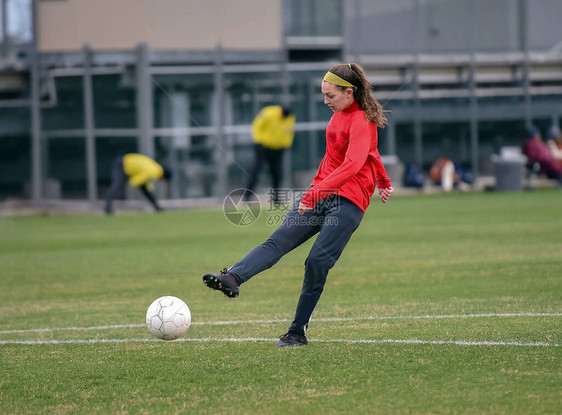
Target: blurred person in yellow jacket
[[273, 130], [140, 170]]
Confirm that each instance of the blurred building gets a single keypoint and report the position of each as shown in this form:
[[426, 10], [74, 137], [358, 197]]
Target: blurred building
[[83, 81]]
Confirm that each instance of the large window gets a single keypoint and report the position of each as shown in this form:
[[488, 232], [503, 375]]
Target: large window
[[315, 18], [16, 14]]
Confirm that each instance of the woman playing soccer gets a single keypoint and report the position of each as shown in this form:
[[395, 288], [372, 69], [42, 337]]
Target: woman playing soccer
[[334, 204]]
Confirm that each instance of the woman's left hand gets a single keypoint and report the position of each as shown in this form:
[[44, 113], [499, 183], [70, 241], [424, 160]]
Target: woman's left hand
[[303, 209], [385, 193]]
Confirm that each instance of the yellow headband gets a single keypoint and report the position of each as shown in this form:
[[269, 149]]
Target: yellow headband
[[336, 80]]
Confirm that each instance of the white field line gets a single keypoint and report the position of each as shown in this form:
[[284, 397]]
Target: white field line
[[265, 339], [285, 320]]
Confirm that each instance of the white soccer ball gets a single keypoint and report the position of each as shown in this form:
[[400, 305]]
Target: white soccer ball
[[168, 318]]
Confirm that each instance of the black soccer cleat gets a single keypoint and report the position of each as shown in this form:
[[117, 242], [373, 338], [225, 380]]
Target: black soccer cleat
[[224, 282], [291, 339]]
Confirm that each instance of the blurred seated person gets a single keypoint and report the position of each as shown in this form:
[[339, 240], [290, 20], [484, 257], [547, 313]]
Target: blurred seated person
[[140, 170], [447, 174], [443, 173], [554, 143], [538, 152]]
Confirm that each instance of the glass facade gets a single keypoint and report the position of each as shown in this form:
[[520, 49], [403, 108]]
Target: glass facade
[[18, 28], [186, 139], [114, 102], [66, 164], [65, 108], [315, 18]]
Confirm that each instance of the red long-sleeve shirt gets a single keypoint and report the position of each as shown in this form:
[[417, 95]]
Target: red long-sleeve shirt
[[352, 166]]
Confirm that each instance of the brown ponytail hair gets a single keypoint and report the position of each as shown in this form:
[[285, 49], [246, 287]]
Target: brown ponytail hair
[[355, 75]]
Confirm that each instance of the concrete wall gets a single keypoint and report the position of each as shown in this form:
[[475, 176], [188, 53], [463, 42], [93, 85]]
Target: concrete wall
[[441, 26], [162, 24]]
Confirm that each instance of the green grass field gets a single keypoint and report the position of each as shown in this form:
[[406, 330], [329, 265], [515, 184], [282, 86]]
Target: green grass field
[[440, 304]]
